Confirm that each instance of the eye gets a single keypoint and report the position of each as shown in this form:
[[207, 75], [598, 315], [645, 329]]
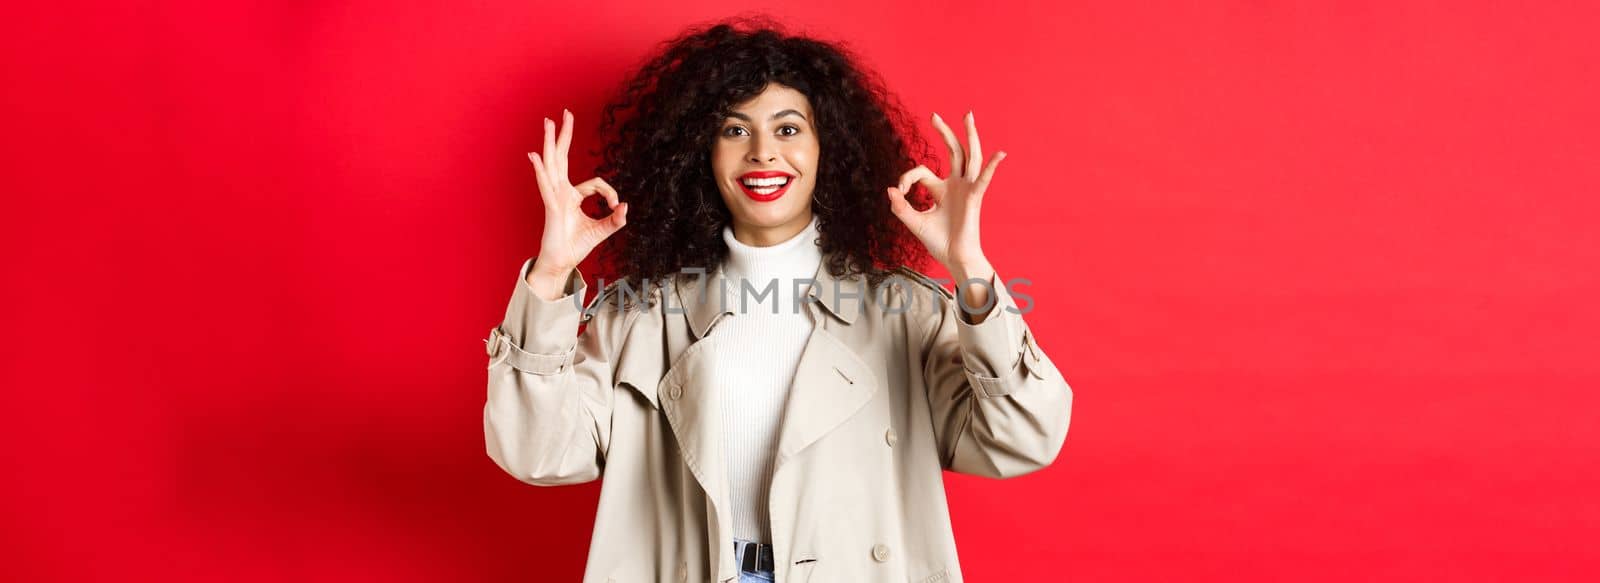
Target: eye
[[731, 129], [796, 130]]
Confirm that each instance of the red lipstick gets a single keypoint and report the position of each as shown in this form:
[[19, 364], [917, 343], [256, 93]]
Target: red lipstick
[[769, 196]]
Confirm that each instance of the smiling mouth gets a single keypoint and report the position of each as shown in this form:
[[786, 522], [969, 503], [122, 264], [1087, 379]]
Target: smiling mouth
[[766, 189]]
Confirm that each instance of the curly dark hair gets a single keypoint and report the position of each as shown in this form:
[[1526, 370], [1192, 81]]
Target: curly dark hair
[[658, 132]]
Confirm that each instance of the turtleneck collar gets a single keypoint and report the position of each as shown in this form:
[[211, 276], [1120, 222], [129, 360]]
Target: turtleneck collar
[[795, 258]]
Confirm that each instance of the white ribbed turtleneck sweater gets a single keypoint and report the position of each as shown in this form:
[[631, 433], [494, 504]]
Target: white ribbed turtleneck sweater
[[756, 354]]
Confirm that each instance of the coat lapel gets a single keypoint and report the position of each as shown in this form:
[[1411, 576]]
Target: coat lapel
[[831, 382]]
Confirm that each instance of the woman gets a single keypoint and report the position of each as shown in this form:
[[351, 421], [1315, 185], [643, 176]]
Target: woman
[[799, 436]]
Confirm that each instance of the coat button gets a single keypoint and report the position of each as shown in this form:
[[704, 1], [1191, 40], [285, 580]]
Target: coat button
[[880, 552], [674, 392], [890, 437]]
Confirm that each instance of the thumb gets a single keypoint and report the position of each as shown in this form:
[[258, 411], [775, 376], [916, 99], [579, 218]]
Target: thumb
[[618, 218], [901, 208]]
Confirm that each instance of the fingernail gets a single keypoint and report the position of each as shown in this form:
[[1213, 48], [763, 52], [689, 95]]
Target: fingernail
[[566, 113]]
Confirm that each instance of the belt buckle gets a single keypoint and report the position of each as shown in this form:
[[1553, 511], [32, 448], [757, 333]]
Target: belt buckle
[[749, 563]]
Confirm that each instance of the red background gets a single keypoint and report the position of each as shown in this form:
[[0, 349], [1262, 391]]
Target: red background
[[1322, 278]]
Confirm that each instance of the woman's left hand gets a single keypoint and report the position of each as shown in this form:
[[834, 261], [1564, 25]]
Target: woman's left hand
[[949, 228]]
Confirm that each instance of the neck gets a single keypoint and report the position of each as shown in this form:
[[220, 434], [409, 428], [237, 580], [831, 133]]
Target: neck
[[761, 236], [794, 257]]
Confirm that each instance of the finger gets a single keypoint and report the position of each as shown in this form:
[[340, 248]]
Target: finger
[[545, 193], [919, 175], [988, 172], [924, 176], [598, 186], [958, 159], [618, 218], [908, 215], [550, 150], [612, 198], [974, 150], [564, 143], [899, 206]]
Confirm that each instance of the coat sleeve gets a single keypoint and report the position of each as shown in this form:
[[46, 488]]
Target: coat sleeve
[[999, 406], [547, 419]]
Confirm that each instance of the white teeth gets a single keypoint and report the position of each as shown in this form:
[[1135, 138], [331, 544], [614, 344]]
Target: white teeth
[[765, 189], [774, 181]]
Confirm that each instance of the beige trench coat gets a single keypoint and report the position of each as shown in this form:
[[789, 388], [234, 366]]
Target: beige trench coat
[[891, 390]]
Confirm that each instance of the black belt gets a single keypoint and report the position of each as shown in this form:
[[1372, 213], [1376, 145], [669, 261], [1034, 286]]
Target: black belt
[[757, 557]]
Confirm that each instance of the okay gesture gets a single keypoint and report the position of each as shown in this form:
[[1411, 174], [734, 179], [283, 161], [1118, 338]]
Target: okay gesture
[[949, 228]]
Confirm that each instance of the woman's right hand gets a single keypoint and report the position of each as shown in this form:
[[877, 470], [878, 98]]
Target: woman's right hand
[[569, 234]]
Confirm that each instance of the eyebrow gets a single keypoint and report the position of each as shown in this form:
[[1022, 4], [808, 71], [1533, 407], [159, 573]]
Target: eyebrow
[[774, 116]]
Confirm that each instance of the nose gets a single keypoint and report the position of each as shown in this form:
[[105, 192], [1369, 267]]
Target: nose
[[762, 150]]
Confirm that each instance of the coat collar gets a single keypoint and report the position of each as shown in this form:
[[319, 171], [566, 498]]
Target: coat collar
[[703, 304]]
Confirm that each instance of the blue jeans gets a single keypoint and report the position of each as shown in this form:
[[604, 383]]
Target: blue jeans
[[746, 576]]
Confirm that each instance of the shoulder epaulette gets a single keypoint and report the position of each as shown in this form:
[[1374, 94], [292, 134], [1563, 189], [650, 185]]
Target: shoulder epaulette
[[918, 277], [609, 291]]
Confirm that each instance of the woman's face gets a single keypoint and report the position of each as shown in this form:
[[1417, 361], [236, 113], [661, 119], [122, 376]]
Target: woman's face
[[765, 162]]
